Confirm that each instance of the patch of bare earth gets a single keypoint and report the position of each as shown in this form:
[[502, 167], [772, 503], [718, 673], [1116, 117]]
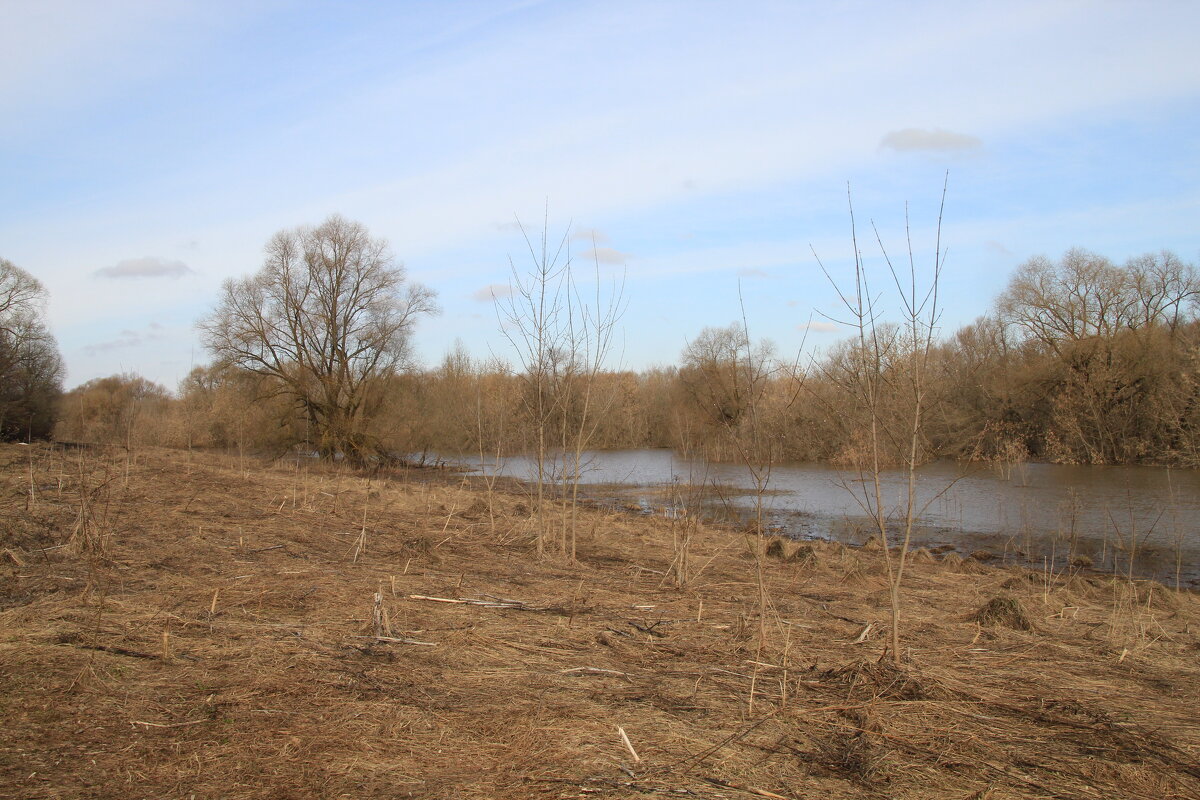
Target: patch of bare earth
[[192, 625]]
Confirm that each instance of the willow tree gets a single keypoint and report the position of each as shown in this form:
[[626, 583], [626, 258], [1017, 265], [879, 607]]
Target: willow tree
[[328, 319], [31, 368], [1085, 296], [1117, 351]]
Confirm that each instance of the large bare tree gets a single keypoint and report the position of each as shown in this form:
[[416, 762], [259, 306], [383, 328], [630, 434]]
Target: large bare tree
[[31, 369], [1085, 295], [328, 318]]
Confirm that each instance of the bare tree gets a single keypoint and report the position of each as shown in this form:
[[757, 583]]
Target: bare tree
[[31, 369], [729, 379], [19, 292], [1110, 339], [328, 318], [887, 377], [592, 321], [530, 318], [1085, 295], [725, 374], [20, 297], [562, 338]]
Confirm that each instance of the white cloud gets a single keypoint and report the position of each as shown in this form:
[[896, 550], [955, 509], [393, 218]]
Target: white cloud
[[148, 267], [819, 327], [911, 140], [752, 272]]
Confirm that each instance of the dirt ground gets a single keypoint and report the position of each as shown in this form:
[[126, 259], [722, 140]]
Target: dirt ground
[[178, 625]]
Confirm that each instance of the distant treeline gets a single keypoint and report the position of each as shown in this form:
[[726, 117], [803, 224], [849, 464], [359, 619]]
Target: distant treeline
[[1079, 361]]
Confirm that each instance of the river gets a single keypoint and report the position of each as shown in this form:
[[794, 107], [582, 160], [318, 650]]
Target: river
[[1038, 514]]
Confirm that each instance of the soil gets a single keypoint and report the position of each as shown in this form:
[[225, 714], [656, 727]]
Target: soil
[[196, 625]]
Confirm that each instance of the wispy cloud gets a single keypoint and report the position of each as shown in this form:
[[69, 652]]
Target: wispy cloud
[[493, 291], [148, 267], [938, 140], [997, 247], [127, 339], [752, 272], [604, 255], [646, 161], [590, 235], [819, 326]]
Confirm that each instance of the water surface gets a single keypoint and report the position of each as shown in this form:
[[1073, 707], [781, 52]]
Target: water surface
[[1044, 514]]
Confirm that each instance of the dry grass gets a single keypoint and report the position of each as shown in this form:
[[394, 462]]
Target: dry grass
[[219, 638], [1003, 610]]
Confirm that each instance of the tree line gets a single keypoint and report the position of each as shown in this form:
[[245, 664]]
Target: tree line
[[1079, 360]]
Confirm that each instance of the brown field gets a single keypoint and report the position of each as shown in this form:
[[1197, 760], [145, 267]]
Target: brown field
[[178, 625]]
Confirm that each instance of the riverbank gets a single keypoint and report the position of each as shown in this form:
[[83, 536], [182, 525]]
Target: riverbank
[[178, 625], [1027, 514]]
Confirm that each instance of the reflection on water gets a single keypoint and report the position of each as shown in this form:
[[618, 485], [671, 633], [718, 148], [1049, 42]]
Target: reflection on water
[[1040, 513]]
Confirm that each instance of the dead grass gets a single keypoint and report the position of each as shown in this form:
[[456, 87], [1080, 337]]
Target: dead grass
[[223, 643], [1003, 610]]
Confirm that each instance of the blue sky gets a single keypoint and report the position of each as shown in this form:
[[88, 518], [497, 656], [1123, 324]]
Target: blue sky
[[148, 150]]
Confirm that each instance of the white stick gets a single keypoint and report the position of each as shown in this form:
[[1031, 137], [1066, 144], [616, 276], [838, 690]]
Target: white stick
[[624, 738]]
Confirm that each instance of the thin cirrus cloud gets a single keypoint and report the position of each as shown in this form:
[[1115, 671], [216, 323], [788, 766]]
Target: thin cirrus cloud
[[595, 237], [493, 291], [752, 272], [937, 140], [126, 339], [148, 267], [605, 255], [819, 327]]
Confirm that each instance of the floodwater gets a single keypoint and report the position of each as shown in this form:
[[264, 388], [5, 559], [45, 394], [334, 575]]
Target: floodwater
[[1040, 514]]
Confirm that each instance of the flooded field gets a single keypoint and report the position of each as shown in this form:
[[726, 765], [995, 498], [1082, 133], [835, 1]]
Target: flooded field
[[1036, 513]]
